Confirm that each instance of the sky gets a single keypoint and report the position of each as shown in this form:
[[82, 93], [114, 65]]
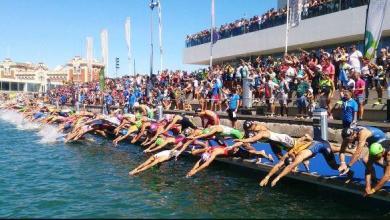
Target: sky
[[54, 31]]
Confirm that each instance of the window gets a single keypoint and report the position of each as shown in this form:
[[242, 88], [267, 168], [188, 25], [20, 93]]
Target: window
[[21, 87], [14, 86], [5, 86]]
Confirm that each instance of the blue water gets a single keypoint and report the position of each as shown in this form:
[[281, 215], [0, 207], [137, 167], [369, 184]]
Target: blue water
[[91, 180]]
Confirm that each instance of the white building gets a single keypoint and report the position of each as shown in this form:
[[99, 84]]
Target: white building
[[28, 77], [341, 27]]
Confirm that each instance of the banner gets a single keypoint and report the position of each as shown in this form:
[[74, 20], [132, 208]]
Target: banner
[[295, 13], [89, 75], [160, 35], [128, 36], [374, 22], [104, 45], [101, 80]]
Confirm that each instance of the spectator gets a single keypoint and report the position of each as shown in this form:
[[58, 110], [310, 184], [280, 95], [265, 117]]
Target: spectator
[[359, 93], [302, 103], [233, 103], [349, 110], [355, 58], [270, 88]]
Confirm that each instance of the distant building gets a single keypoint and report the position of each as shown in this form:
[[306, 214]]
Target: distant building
[[28, 77]]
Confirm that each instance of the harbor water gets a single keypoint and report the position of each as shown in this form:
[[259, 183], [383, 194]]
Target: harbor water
[[41, 177]]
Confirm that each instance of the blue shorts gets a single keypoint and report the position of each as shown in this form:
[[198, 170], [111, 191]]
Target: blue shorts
[[360, 99], [302, 102], [320, 147]]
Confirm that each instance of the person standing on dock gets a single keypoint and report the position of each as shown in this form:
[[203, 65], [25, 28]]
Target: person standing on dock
[[211, 117], [234, 102]]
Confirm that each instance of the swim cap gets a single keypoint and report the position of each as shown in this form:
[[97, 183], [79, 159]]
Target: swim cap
[[206, 131], [168, 117], [375, 149], [187, 131], [198, 110], [346, 132], [120, 117], [248, 124], [153, 127], [159, 141]]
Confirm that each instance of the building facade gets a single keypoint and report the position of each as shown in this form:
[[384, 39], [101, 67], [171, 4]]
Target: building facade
[[29, 77], [337, 28]]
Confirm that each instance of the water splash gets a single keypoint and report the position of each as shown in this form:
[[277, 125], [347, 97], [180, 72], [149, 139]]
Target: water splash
[[48, 133]]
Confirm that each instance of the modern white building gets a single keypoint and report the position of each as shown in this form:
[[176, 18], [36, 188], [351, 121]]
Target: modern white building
[[29, 77], [341, 27]]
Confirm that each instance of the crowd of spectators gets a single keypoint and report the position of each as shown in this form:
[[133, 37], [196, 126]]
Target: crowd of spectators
[[306, 79], [272, 18]]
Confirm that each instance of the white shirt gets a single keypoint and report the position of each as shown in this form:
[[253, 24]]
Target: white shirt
[[196, 83], [354, 60], [351, 84]]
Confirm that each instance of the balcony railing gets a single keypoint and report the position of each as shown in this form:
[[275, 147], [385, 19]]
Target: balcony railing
[[276, 20]]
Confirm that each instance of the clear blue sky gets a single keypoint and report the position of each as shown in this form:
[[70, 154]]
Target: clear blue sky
[[54, 31]]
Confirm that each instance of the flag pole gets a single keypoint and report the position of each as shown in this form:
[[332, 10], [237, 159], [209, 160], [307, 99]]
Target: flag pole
[[287, 26], [212, 34]]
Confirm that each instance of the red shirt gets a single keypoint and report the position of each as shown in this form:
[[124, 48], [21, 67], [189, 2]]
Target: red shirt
[[360, 84], [329, 70]]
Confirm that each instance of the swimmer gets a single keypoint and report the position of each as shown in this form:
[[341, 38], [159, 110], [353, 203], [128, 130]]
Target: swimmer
[[160, 157], [365, 136], [379, 154], [323, 147]]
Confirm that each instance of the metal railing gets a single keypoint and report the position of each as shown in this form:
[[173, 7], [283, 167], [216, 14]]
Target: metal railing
[[280, 19]]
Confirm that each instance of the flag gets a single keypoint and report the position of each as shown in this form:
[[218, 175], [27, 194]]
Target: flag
[[104, 45], [295, 12], [374, 22], [101, 79], [89, 58], [160, 26], [128, 36]]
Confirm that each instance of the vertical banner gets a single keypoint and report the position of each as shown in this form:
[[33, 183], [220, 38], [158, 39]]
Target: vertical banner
[[101, 79], [160, 35], [128, 40], [374, 22], [104, 45], [89, 75], [295, 13]]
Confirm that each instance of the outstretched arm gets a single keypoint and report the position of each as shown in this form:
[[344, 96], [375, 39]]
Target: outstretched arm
[[175, 119], [210, 134], [362, 142], [257, 137], [136, 138], [198, 168]]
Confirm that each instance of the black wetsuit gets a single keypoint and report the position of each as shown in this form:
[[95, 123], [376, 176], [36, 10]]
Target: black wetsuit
[[186, 123]]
